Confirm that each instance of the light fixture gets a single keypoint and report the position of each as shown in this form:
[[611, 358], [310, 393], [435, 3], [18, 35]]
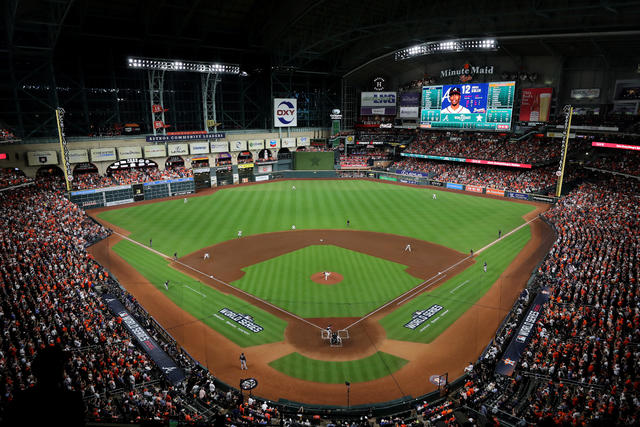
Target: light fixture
[[447, 46], [183, 66]]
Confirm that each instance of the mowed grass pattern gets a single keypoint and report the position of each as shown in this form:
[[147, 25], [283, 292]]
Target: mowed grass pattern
[[285, 281], [369, 368], [201, 301], [458, 294], [454, 220]]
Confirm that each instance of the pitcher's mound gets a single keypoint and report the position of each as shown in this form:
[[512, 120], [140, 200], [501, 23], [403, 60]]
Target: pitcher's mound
[[332, 279]]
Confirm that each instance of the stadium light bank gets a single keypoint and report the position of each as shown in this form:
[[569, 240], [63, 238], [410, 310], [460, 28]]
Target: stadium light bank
[[448, 46], [182, 66]]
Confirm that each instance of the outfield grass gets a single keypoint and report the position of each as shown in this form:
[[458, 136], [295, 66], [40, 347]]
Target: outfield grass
[[370, 368], [202, 301], [454, 220], [285, 281], [458, 294]]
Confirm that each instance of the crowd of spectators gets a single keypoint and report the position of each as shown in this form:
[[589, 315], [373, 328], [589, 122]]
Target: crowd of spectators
[[128, 176], [483, 146], [10, 177], [533, 180], [582, 365], [615, 160], [6, 135]]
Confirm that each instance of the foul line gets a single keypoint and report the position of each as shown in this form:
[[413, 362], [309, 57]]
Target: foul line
[[220, 281], [456, 288], [429, 282], [197, 292]]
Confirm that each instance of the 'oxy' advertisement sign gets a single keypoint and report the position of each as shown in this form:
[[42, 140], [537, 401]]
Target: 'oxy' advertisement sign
[[285, 112]]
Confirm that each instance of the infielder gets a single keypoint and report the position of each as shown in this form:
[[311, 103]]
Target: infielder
[[166, 285], [239, 233], [485, 266], [326, 275], [206, 255], [243, 361], [407, 248], [293, 227]]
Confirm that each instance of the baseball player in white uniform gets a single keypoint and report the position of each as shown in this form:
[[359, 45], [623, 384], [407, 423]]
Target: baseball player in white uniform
[[326, 275], [206, 255], [455, 107], [407, 248], [239, 233]]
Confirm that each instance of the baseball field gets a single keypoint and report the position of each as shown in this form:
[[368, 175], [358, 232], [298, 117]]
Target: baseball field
[[266, 269]]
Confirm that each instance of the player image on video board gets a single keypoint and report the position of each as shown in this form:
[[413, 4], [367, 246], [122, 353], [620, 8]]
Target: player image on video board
[[484, 106], [454, 107]]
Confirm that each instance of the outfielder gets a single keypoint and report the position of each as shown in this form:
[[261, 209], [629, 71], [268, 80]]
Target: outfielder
[[293, 227], [434, 196]]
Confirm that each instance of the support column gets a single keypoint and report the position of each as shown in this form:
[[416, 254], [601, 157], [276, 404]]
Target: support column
[[156, 92]]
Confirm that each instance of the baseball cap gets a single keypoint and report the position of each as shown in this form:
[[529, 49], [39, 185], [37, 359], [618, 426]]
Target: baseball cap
[[454, 91]]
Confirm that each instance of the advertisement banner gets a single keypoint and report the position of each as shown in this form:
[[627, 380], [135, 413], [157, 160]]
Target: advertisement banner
[[585, 93], [288, 142], [184, 137], [262, 178], [103, 154], [272, 143], [412, 173], [535, 105], [265, 168], [285, 112], [473, 188], [495, 192], [378, 99], [245, 165], [154, 151], [409, 103], [172, 372], [199, 147], [527, 329], [129, 152], [514, 195], [256, 144], [436, 183], [303, 141], [545, 199], [219, 147], [378, 111], [36, 158], [455, 186], [238, 145], [495, 163], [611, 145], [178, 149], [78, 156]]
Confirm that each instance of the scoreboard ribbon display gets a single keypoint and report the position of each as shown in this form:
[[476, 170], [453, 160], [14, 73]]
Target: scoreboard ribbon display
[[482, 106]]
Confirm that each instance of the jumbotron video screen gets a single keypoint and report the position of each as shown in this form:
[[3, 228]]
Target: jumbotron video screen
[[480, 106]]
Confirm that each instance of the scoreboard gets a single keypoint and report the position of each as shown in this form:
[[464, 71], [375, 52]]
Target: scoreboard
[[482, 106]]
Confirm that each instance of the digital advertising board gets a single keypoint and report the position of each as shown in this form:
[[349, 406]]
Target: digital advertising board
[[472, 106]]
